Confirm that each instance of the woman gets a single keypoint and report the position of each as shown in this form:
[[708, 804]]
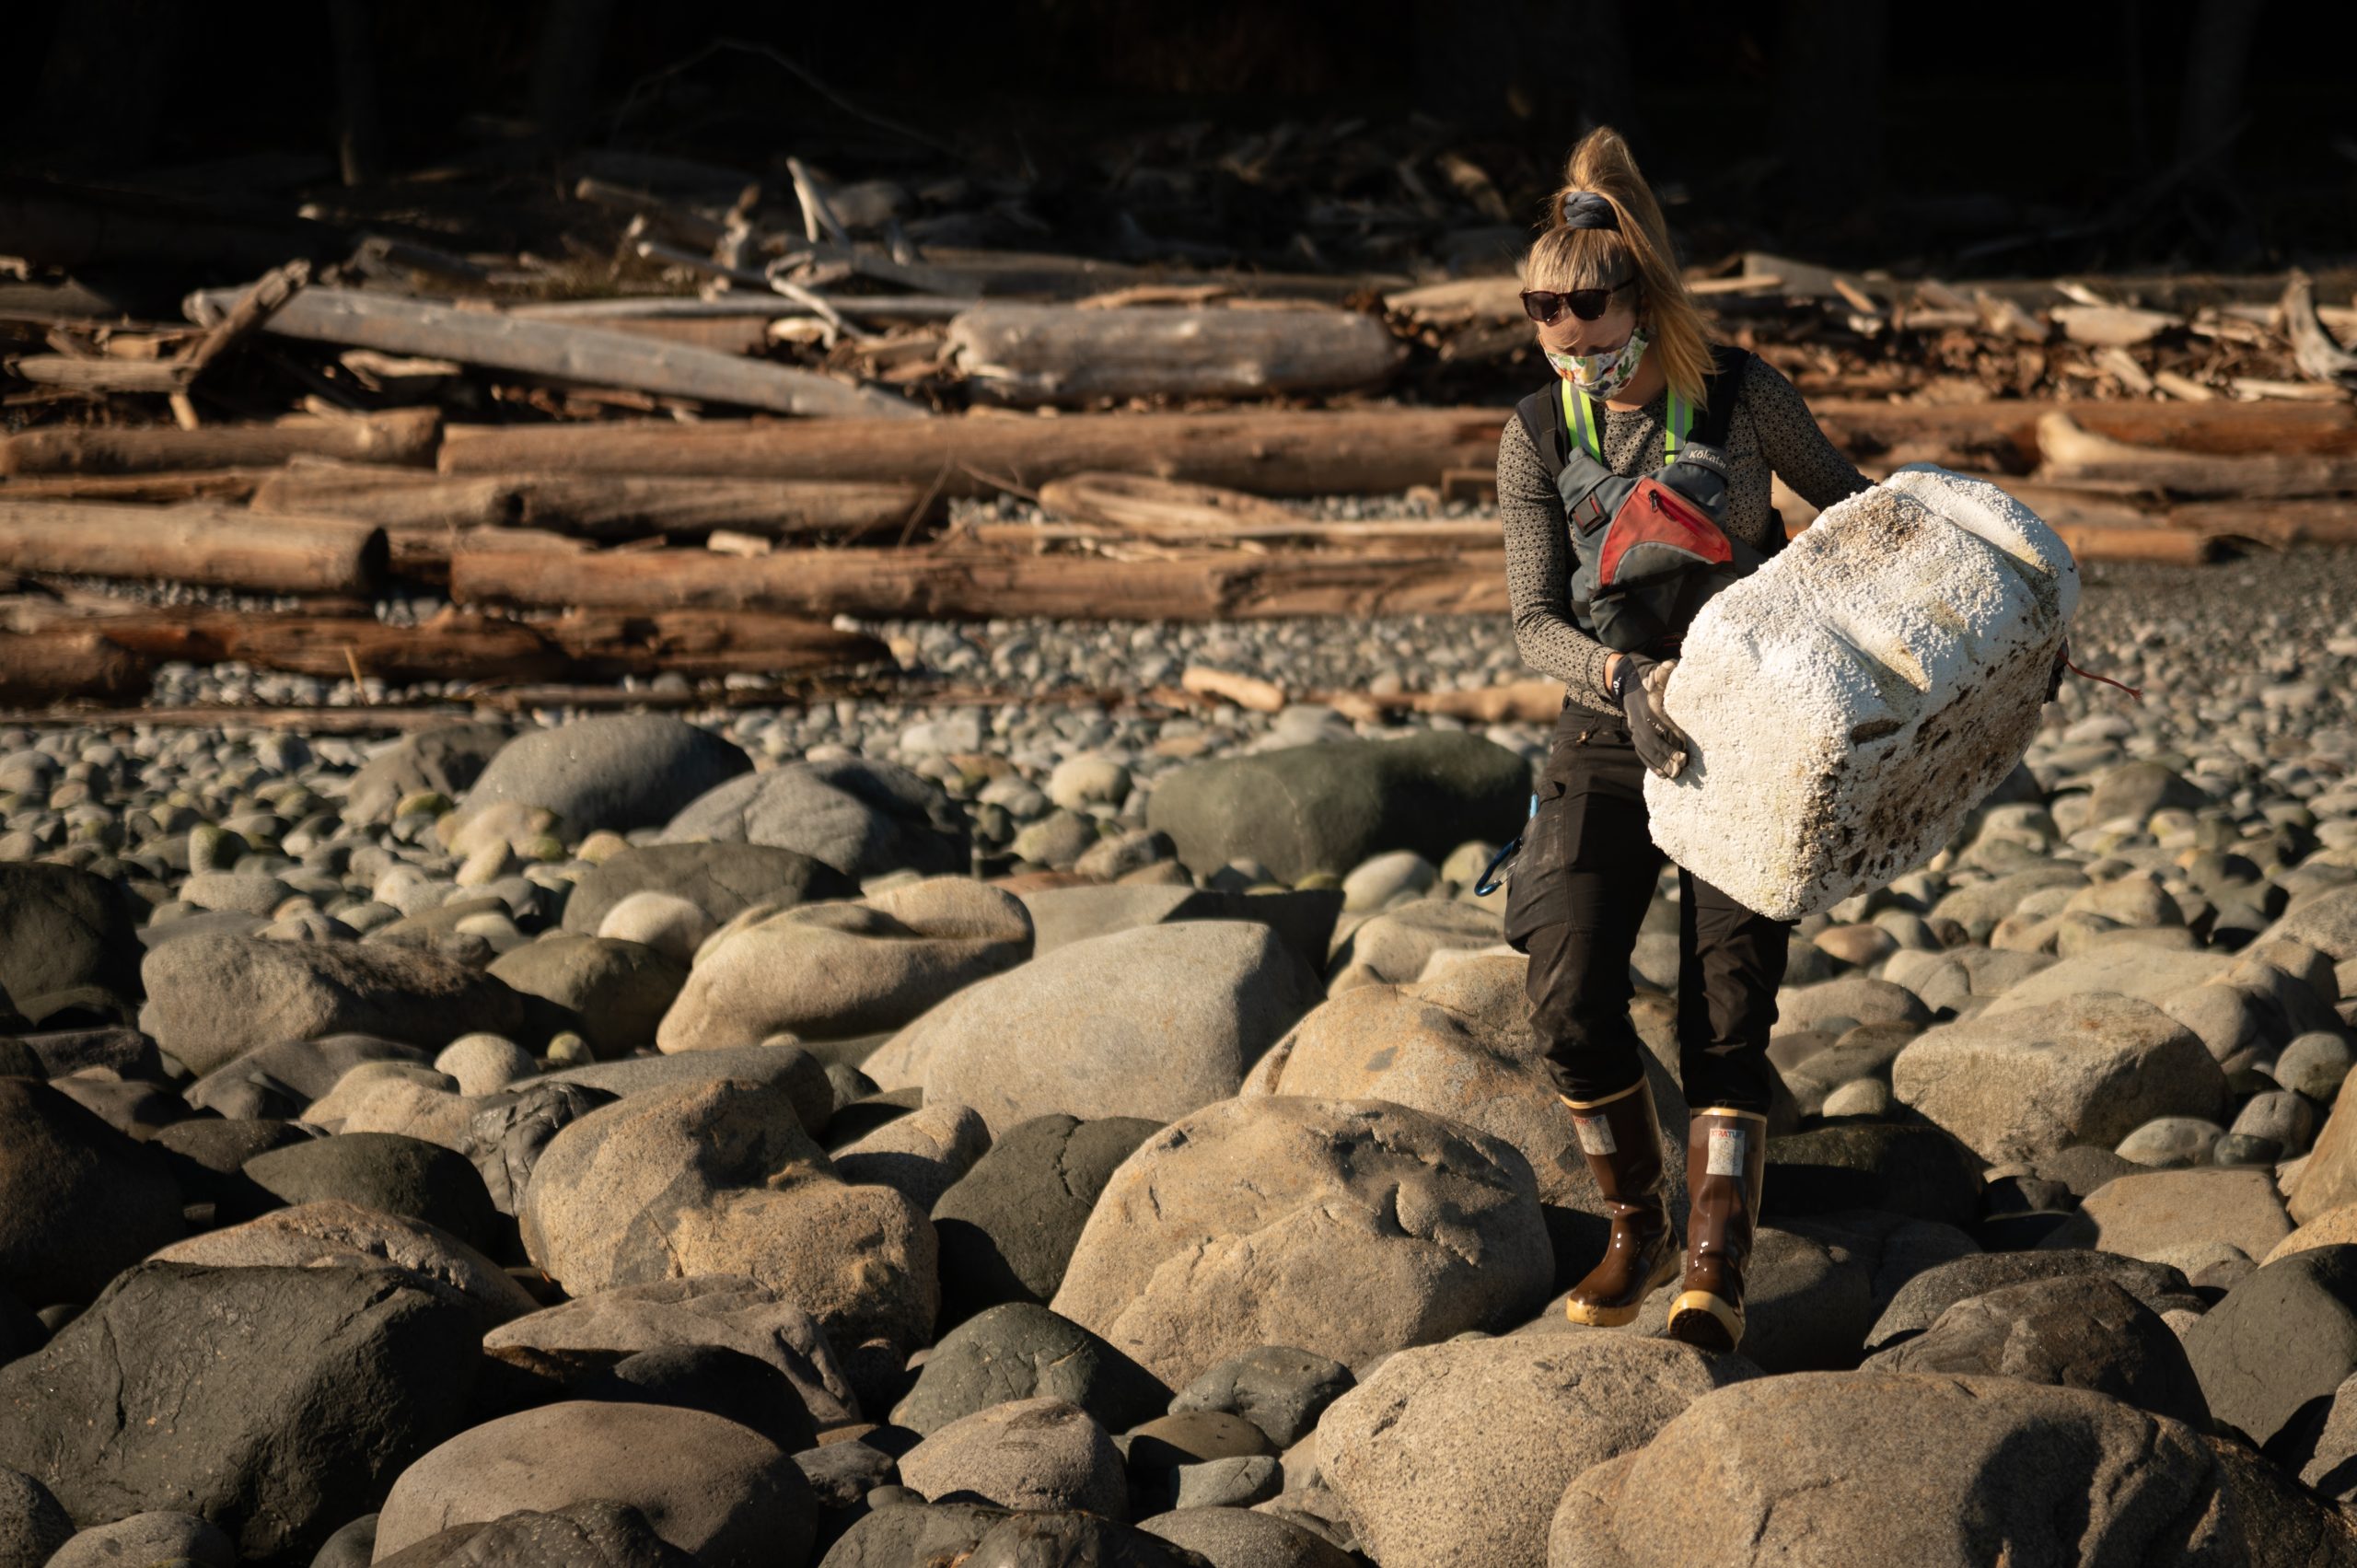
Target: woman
[[1645, 401]]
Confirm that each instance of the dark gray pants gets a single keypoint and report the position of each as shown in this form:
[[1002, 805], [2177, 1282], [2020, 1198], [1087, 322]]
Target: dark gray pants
[[1581, 888]]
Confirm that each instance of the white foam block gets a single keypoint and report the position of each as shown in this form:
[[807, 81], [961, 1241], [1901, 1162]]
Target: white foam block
[[1854, 698]]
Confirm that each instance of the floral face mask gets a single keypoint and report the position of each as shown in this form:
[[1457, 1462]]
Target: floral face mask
[[1601, 375]]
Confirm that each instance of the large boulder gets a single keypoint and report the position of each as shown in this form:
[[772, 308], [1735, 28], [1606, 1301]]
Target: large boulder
[[1347, 1228], [1036, 1454], [1414, 1451], [1869, 1468], [2074, 1330], [716, 1490], [1460, 1046], [1008, 1225], [2032, 1081], [275, 1402], [333, 1234], [62, 927], [1022, 1351], [861, 817], [732, 1311], [1920, 1302], [1239, 1537], [2162, 1214], [615, 770], [1327, 806], [178, 1541], [1152, 1022], [2285, 1335], [445, 760], [721, 880], [1909, 635], [79, 1201], [212, 998], [827, 971], [581, 1534], [613, 993], [387, 1172], [720, 1178]]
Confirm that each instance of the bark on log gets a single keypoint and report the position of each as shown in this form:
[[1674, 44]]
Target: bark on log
[[610, 506], [401, 435], [2074, 454], [1268, 453], [1026, 356], [69, 662], [1192, 586], [591, 356], [199, 542]]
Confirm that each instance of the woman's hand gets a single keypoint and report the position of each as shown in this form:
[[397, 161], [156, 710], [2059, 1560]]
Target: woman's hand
[[1660, 744]]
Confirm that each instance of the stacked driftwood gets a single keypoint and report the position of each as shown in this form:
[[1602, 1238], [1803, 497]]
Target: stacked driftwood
[[692, 446], [593, 550]]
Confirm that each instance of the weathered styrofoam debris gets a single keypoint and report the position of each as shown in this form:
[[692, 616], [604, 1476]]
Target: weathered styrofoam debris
[[1853, 698]]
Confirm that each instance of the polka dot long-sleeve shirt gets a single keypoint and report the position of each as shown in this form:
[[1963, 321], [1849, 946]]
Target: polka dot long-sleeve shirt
[[1770, 430]]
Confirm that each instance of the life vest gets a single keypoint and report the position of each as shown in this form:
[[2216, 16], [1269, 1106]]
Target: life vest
[[1648, 552]]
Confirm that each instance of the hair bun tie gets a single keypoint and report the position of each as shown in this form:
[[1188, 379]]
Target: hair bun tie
[[1585, 209]]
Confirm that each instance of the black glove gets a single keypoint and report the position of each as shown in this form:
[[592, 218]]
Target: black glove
[[1638, 683]]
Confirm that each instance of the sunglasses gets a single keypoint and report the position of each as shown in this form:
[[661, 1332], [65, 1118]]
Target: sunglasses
[[1545, 304]]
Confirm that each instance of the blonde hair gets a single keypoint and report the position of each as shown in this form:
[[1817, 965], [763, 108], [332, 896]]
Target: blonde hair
[[1565, 258]]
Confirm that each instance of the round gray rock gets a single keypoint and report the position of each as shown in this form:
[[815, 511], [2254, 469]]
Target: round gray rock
[[709, 1486], [1027, 1454], [616, 771], [1151, 1022], [1346, 1227]]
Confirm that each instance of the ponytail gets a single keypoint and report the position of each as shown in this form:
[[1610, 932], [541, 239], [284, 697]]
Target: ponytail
[[1578, 251]]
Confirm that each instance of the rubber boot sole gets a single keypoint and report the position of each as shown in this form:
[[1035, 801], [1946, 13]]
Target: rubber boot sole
[[1595, 1317], [1698, 1318]]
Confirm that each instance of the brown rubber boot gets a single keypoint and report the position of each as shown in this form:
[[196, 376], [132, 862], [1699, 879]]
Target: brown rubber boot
[[1620, 1134], [1726, 1157]]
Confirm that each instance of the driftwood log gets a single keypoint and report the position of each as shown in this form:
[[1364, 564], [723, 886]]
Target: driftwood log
[[1182, 585], [1287, 452], [2074, 455], [1268, 452], [401, 435], [1026, 356], [558, 350], [592, 506], [197, 542], [63, 663], [88, 649]]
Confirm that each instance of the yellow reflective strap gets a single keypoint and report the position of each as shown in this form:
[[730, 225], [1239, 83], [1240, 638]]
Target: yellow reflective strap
[[1580, 417], [1680, 419]]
